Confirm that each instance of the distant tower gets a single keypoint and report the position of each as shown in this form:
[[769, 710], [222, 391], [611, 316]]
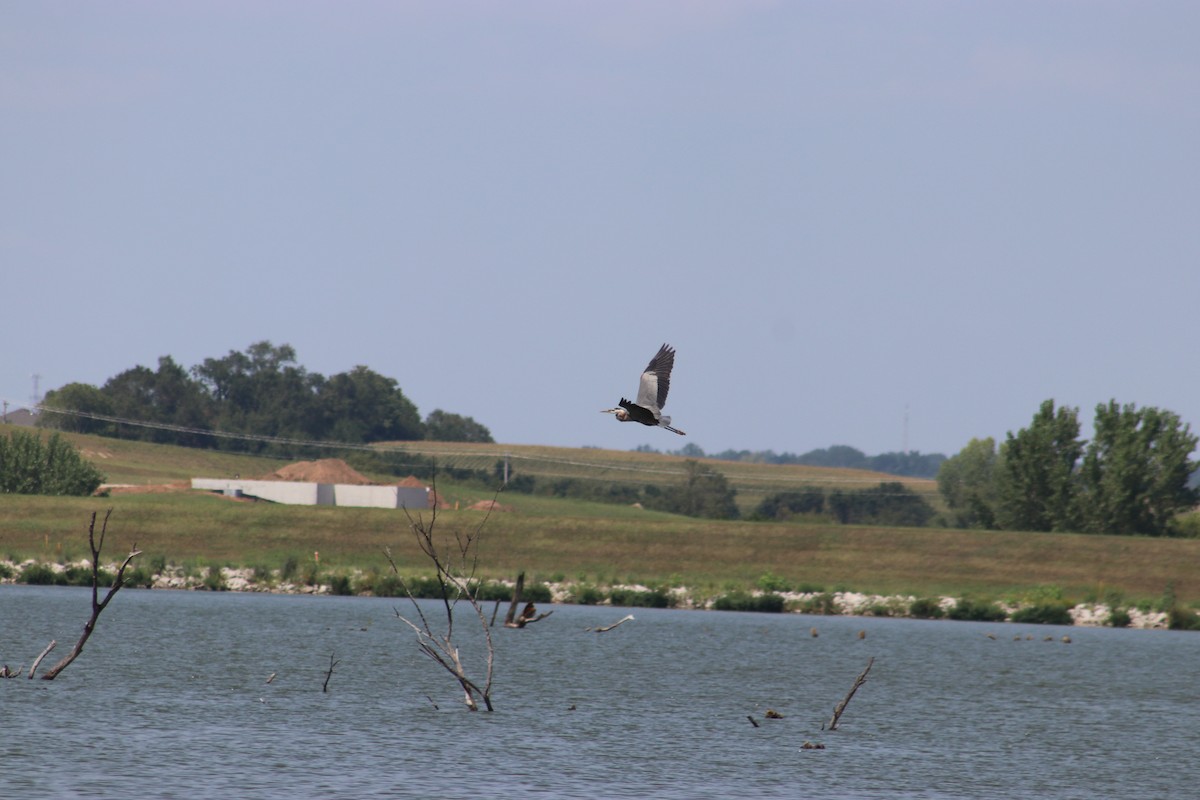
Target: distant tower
[[37, 396], [905, 450]]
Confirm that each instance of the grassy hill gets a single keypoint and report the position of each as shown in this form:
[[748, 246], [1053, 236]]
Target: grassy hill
[[553, 538]]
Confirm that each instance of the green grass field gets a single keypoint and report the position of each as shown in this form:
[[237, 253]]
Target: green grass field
[[552, 538]]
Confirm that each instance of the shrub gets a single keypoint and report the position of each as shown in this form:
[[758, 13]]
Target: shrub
[[1044, 614], [821, 604], [340, 585], [637, 598], [926, 608], [1119, 617], [41, 575], [773, 583], [5, 571], [381, 585], [1183, 619], [54, 467], [744, 601], [586, 595], [976, 611], [139, 578], [288, 571], [214, 579]]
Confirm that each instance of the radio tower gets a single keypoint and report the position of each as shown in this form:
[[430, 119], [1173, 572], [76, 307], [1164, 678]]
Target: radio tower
[[37, 397]]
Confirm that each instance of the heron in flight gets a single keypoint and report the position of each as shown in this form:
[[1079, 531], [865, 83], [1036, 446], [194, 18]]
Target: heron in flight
[[652, 394]]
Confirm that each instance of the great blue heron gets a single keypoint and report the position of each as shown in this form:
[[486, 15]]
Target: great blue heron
[[652, 394]]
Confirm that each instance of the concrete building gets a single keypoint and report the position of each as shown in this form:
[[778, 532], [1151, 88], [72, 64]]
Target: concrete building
[[319, 494]]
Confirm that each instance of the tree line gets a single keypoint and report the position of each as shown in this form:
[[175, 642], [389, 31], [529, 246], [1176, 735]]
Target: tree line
[[909, 463], [1133, 477], [261, 392]]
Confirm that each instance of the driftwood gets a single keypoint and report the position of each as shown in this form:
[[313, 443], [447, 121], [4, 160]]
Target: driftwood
[[42, 655], [607, 628], [841, 707], [98, 605]]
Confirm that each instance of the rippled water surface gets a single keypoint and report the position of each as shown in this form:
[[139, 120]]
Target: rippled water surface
[[170, 699]]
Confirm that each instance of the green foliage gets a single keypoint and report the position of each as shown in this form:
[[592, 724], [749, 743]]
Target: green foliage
[[976, 611], [1188, 525], [1044, 614], [744, 601], [1183, 619], [820, 604], [967, 482], [1119, 617], [139, 577], [442, 426], [637, 598], [769, 582], [786, 505], [53, 467], [703, 492], [926, 608], [41, 575], [886, 504], [287, 572], [214, 579], [261, 392], [80, 397], [909, 463], [340, 585], [1134, 476], [1036, 473], [587, 595]]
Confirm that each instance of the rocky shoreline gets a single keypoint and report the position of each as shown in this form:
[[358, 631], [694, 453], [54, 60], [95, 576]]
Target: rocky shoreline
[[839, 603]]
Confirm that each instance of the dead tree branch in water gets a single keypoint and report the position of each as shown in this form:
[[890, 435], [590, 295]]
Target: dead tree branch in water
[[608, 628], [528, 615], [37, 661], [98, 605], [328, 673], [841, 707], [456, 564]]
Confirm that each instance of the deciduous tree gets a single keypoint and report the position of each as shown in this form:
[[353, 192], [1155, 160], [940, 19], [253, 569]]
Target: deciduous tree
[[1036, 473], [967, 482], [1135, 473]]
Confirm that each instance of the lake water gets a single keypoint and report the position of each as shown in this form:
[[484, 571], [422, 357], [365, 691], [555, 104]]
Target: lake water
[[170, 699]]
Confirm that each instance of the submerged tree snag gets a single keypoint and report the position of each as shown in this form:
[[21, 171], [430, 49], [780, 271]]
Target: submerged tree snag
[[528, 614], [841, 707], [98, 605], [455, 564], [607, 628]]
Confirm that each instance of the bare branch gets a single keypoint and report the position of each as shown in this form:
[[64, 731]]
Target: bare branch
[[455, 571], [841, 707], [43, 654], [97, 604], [328, 674], [607, 628]]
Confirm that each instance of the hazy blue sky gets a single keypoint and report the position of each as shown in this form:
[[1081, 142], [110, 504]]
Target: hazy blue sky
[[834, 211]]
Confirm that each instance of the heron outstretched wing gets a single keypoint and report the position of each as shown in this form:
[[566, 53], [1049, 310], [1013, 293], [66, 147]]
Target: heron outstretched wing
[[656, 380]]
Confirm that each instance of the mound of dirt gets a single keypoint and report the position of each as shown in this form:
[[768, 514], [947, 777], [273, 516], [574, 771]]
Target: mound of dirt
[[325, 470], [412, 481], [149, 488], [489, 505]]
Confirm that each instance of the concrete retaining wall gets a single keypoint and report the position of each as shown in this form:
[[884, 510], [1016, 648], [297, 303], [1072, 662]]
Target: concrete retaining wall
[[319, 494]]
